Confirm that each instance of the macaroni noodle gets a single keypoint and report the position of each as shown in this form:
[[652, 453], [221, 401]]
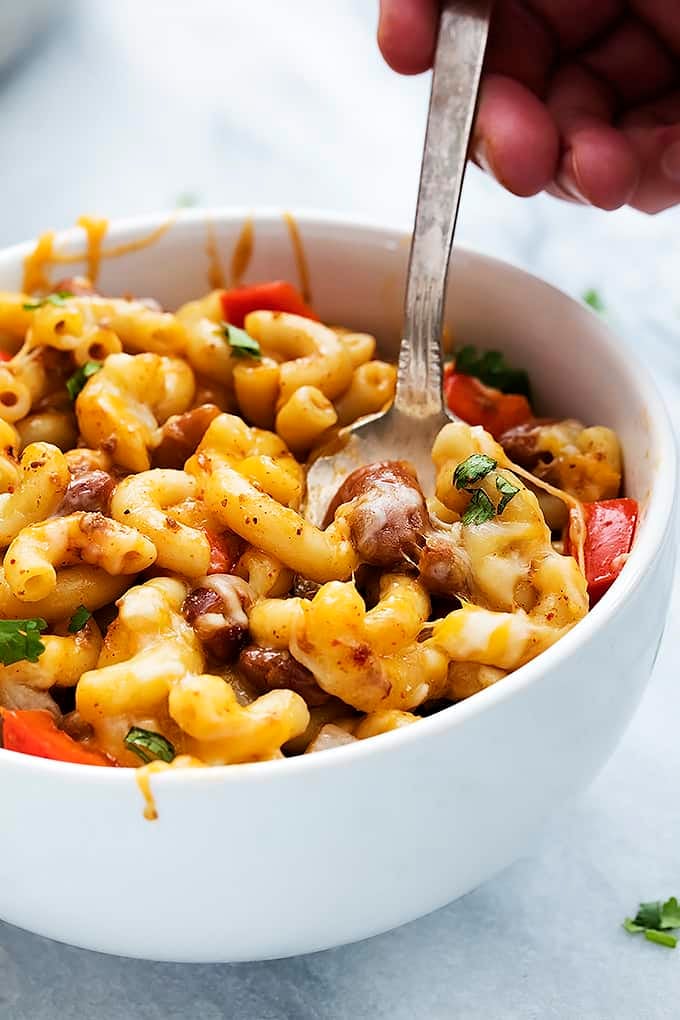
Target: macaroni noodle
[[161, 487]]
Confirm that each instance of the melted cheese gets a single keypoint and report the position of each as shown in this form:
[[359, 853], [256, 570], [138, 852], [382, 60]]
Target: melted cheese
[[300, 257]]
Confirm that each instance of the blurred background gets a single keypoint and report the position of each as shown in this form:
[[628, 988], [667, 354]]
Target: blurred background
[[119, 107]]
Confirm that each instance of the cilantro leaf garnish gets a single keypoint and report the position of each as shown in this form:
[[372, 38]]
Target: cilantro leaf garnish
[[186, 200], [79, 619], [593, 299], [670, 913], [58, 298], [148, 745], [474, 469], [654, 919], [507, 491], [658, 915], [76, 382], [479, 510], [491, 368], [242, 345], [20, 639], [662, 938]]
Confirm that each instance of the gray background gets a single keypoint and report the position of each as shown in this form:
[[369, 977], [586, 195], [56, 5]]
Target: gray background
[[124, 106]]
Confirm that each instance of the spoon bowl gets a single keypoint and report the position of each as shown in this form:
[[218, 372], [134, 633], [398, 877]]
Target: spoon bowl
[[388, 435]]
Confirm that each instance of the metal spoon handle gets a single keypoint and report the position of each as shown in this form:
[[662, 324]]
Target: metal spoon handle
[[463, 30]]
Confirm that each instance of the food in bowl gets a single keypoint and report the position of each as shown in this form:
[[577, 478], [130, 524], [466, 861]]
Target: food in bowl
[[163, 598], [465, 789]]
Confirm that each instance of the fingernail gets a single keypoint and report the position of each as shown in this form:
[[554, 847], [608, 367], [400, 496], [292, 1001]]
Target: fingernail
[[482, 153], [670, 162], [568, 178]]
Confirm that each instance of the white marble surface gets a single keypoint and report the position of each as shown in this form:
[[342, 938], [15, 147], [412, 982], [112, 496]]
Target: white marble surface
[[127, 105]]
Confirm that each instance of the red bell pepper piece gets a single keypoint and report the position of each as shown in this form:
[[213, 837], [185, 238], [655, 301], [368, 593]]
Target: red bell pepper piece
[[36, 733], [274, 296], [5, 356], [478, 404], [610, 528]]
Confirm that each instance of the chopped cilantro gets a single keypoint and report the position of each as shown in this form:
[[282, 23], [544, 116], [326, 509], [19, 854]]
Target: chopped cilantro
[[670, 913], [507, 491], [632, 927], [474, 469], [59, 299], [20, 639], [79, 619], [186, 200], [242, 345], [479, 510], [76, 382], [148, 745], [654, 919], [658, 915], [492, 369], [661, 937], [593, 299]]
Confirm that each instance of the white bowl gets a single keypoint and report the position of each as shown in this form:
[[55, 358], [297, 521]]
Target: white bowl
[[263, 860]]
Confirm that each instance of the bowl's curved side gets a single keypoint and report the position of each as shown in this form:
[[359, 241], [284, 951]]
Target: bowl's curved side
[[267, 860], [307, 859]]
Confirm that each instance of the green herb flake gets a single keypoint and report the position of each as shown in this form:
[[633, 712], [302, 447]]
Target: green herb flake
[[507, 491], [662, 938], [658, 915], [76, 382], [59, 299], [491, 368], [670, 913], [473, 470], [593, 299], [242, 345], [148, 746], [186, 200], [20, 640], [654, 919], [480, 509], [79, 619]]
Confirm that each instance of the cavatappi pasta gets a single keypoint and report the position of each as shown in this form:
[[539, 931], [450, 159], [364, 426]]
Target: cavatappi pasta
[[164, 598]]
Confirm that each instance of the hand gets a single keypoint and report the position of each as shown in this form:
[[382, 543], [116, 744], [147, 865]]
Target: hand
[[579, 97]]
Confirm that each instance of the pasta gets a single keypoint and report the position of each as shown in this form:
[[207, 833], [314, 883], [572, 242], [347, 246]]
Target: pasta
[[163, 596]]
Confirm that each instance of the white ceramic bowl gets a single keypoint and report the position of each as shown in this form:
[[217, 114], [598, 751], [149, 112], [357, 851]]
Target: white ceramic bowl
[[272, 859]]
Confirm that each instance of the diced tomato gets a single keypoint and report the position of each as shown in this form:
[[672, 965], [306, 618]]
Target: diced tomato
[[36, 733], [478, 404], [274, 296], [5, 356], [224, 552], [610, 529]]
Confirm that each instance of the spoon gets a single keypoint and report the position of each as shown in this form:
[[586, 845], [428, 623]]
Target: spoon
[[407, 430]]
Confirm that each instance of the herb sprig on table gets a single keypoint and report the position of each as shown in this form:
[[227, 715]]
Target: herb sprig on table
[[594, 300], [654, 920]]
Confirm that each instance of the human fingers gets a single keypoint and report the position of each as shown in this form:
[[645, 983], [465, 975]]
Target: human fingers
[[654, 133], [514, 138], [407, 33], [598, 165]]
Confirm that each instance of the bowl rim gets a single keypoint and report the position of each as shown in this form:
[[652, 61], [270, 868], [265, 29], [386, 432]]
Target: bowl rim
[[658, 520]]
